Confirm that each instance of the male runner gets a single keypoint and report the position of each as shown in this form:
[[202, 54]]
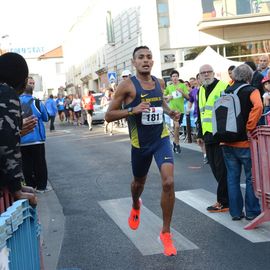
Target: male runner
[[142, 96]]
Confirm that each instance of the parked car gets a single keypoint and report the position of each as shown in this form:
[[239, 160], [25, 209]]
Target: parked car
[[98, 114]]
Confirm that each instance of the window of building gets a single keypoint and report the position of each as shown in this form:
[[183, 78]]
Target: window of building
[[59, 68], [249, 51], [110, 30], [229, 8], [242, 51], [251, 48], [163, 13]]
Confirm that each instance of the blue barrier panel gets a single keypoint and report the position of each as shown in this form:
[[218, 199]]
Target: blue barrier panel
[[19, 231]]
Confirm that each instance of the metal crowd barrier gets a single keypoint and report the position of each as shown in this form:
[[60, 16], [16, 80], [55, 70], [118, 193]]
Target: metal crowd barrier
[[260, 155], [19, 235]]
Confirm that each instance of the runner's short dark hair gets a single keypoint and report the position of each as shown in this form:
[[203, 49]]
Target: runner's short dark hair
[[174, 72], [139, 48]]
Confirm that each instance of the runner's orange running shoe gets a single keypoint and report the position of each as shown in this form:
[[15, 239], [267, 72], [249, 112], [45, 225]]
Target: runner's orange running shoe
[[166, 240], [134, 217]]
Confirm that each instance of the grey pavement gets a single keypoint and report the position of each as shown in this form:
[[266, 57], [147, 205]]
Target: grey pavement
[[90, 173], [52, 219]]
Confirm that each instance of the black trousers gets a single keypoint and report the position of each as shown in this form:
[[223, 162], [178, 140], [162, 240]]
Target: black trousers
[[34, 165], [52, 118], [216, 162]]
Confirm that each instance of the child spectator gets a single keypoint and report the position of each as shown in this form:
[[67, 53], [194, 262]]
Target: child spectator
[[266, 95], [266, 98]]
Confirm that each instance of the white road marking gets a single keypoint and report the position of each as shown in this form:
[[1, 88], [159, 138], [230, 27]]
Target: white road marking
[[145, 238], [200, 199]]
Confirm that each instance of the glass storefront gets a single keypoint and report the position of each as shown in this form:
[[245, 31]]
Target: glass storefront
[[232, 8], [244, 51]]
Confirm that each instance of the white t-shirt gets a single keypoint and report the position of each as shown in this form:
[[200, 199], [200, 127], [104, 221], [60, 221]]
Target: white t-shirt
[[76, 103]]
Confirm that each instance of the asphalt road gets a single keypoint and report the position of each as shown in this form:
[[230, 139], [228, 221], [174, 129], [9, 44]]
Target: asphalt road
[[90, 173]]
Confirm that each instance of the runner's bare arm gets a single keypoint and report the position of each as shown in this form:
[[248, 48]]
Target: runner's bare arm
[[122, 95], [114, 111], [165, 107]]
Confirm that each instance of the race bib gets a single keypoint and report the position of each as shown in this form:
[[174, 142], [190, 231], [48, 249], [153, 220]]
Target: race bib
[[176, 94], [153, 117], [61, 103]]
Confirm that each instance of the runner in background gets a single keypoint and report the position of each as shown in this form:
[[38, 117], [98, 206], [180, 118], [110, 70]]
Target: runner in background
[[175, 94], [60, 103], [88, 102]]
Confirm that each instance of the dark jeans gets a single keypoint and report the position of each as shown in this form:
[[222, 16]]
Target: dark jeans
[[235, 158], [52, 118], [216, 162], [34, 165]]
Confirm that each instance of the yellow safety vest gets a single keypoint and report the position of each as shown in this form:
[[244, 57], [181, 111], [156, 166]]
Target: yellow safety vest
[[206, 106]]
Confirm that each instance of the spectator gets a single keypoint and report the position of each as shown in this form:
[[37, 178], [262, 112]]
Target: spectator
[[188, 85], [264, 64], [210, 90], [230, 69], [266, 99], [52, 111], [13, 75], [256, 77], [33, 145], [237, 154], [125, 74], [193, 106]]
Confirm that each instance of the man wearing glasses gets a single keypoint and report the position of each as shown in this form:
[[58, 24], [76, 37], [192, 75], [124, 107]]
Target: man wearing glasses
[[210, 90]]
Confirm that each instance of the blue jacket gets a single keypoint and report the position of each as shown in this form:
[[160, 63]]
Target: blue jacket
[[38, 135], [51, 107]]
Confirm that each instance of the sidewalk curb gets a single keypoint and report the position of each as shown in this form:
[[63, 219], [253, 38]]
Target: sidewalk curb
[[52, 220]]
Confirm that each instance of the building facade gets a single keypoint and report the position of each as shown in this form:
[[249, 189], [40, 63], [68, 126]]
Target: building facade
[[101, 41]]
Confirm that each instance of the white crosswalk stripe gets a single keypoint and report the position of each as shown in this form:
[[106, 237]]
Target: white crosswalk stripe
[[145, 238], [199, 199]]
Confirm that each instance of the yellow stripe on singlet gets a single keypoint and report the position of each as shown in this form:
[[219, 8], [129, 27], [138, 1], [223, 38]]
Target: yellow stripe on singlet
[[134, 135], [165, 131]]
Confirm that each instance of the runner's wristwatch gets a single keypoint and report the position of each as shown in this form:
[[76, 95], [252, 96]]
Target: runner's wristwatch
[[130, 111]]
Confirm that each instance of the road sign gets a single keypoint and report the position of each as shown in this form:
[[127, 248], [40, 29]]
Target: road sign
[[112, 77]]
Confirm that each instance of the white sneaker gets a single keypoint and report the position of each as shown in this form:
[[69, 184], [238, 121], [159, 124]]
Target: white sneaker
[[47, 189], [40, 191]]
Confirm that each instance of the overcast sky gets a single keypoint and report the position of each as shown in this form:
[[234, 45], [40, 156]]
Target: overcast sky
[[38, 22]]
